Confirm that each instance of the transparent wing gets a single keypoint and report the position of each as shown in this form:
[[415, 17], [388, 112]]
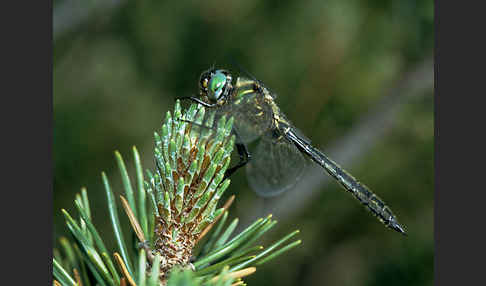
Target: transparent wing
[[252, 115], [248, 75], [275, 167]]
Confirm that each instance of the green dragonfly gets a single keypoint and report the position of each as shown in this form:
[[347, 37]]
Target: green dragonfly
[[282, 150]]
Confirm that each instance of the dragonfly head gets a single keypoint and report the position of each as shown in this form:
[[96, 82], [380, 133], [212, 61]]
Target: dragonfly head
[[215, 85]]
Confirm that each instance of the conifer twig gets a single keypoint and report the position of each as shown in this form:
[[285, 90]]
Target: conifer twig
[[185, 192]]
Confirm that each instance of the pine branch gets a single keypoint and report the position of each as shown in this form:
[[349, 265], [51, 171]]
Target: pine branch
[[192, 152]]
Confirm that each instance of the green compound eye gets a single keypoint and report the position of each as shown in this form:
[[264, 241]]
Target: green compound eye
[[216, 85]]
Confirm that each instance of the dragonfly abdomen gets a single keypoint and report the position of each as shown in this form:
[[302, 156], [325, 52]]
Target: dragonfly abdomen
[[373, 203]]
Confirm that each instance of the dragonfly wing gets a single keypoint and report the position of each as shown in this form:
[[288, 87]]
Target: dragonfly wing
[[275, 167], [252, 115]]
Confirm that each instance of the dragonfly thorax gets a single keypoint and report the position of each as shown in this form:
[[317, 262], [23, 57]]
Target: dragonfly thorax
[[215, 85]]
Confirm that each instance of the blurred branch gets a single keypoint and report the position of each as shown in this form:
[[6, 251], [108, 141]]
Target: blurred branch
[[68, 14], [351, 148]]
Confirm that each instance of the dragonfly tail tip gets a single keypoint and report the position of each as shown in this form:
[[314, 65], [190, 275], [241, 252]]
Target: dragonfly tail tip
[[399, 228]]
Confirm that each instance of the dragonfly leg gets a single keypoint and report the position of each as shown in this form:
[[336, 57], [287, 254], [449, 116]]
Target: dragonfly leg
[[240, 147], [159, 171], [244, 157], [197, 124], [257, 87], [195, 99]]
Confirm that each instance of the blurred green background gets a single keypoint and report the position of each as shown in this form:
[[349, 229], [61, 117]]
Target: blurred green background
[[118, 65]]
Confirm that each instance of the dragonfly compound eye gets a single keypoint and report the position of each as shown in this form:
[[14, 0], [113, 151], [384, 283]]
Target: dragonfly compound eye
[[216, 85]]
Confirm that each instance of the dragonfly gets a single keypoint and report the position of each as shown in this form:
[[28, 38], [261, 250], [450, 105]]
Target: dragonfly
[[282, 151]]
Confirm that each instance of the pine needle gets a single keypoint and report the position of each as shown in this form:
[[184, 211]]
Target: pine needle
[[123, 269], [226, 206], [77, 277], [133, 220], [237, 274]]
